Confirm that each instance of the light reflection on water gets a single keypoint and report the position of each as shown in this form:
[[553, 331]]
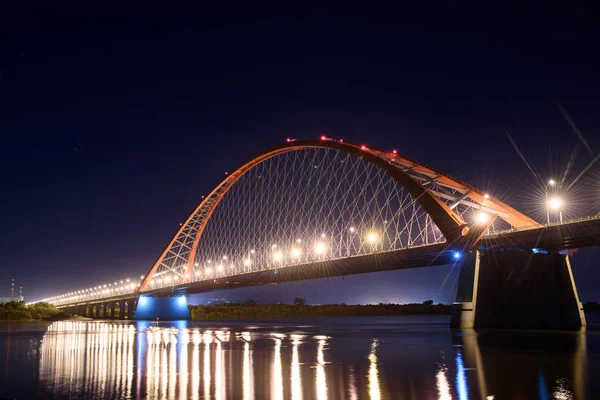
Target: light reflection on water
[[374, 390], [181, 361]]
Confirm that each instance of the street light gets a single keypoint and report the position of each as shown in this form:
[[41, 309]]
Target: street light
[[277, 256], [320, 248], [555, 204], [372, 237], [482, 217]]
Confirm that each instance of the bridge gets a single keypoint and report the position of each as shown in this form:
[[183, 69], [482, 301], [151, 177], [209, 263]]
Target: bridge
[[309, 209]]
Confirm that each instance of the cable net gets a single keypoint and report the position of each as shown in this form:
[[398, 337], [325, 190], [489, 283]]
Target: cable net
[[296, 208]]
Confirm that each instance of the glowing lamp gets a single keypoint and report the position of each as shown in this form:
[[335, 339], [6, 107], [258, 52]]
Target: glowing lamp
[[372, 237], [320, 248], [555, 203], [482, 218]]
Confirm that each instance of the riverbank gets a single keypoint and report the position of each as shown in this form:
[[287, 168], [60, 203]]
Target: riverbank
[[257, 311], [18, 311]]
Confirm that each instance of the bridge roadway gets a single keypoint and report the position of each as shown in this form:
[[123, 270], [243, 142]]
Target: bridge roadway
[[571, 234]]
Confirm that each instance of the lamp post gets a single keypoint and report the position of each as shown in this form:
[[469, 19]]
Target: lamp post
[[551, 183], [555, 203]]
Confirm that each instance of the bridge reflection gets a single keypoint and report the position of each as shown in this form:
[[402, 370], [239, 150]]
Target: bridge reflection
[[146, 361]]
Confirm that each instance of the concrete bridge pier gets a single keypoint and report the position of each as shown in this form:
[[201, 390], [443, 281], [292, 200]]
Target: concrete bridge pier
[[517, 290], [122, 308], [166, 308]]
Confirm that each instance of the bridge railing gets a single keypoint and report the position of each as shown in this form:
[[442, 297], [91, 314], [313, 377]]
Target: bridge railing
[[547, 225]]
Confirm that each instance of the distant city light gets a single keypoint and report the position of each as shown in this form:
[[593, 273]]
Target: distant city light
[[278, 256], [456, 255], [486, 196], [552, 182], [295, 252], [247, 262]]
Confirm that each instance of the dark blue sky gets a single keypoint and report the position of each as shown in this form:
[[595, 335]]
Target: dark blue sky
[[115, 121]]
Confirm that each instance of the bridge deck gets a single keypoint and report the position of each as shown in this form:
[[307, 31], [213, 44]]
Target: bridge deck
[[573, 234], [568, 235]]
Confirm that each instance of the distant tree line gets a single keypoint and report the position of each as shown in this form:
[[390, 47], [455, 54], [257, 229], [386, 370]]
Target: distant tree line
[[591, 306], [251, 310], [18, 311]]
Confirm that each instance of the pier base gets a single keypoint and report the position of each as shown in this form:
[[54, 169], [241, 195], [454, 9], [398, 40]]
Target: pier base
[[517, 290], [166, 308]]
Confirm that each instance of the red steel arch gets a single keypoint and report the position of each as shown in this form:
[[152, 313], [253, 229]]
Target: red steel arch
[[451, 225]]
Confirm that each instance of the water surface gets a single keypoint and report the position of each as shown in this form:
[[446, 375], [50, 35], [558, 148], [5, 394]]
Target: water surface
[[406, 357]]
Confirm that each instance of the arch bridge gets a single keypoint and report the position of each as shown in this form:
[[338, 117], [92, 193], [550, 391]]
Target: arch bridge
[[310, 209]]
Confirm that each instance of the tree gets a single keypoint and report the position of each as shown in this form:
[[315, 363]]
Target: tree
[[298, 301], [250, 302], [428, 302]]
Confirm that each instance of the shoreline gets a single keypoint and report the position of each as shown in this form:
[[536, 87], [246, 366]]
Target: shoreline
[[265, 311]]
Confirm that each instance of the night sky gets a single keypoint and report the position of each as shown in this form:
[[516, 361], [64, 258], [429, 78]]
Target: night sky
[[113, 123]]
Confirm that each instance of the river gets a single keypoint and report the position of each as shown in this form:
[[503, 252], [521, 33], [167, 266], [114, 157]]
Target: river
[[404, 357]]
